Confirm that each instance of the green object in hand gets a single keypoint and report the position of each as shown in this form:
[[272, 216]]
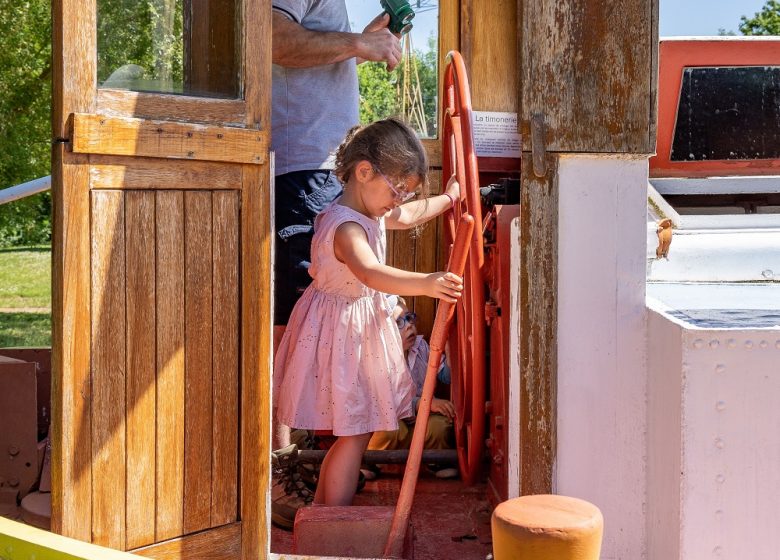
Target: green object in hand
[[401, 15]]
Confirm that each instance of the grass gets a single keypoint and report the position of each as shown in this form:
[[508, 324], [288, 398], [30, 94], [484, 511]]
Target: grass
[[25, 329], [25, 296]]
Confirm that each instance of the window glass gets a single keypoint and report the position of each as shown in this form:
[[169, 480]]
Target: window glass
[[728, 113], [169, 46], [411, 90]]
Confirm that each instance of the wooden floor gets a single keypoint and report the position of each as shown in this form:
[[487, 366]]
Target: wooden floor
[[450, 520]]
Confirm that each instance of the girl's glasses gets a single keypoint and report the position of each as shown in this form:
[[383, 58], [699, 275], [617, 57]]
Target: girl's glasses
[[399, 192], [406, 319]]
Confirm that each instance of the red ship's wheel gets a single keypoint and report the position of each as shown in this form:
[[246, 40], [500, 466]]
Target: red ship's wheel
[[467, 345]]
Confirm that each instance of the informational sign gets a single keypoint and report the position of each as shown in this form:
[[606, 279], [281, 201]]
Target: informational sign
[[495, 134]]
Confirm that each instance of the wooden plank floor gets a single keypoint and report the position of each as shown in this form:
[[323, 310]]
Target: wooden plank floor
[[450, 520]]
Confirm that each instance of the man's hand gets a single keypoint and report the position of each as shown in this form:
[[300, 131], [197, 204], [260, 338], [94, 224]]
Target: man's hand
[[378, 44]]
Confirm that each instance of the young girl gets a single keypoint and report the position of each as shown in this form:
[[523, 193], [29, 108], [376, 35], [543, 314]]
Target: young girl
[[340, 365]]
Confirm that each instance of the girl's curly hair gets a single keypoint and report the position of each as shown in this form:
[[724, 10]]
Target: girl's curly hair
[[390, 146]]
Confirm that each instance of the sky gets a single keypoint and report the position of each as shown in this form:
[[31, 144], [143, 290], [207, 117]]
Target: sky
[[677, 17], [704, 17]]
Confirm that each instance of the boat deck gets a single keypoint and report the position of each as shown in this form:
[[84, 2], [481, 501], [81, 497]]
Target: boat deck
[[450, 520]]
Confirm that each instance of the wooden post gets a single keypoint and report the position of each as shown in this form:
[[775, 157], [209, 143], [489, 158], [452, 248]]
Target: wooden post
[[586, 85]]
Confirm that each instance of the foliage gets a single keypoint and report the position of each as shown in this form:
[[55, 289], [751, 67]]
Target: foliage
[[765, 22], [381, 92], [25, 117], [25, 278], [25, 329], [146, 35]]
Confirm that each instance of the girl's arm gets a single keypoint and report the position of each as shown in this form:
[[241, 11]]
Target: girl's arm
[[351, 246], [418, 212]]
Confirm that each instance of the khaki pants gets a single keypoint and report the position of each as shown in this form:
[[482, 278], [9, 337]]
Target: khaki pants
[[437, 436]]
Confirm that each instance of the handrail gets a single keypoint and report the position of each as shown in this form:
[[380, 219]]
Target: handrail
[[25, 189]]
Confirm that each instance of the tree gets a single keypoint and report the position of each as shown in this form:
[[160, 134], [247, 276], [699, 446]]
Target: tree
[[25, 117], [765, 22], [381, 92]]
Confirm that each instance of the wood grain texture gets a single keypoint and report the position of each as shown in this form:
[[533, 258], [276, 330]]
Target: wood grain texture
[[589, 67], [488, 31], [108, 369], [256, 63], [141, 367], [121, 136], [197, 361], [74, 61], [211, 64], [225, 354], [538, 327], [256, 352], [71, 305], [449, 40], [118, 172], [74, 66], [427, 246], [256, 316], [169, 215], [223, 543], [159, 106]]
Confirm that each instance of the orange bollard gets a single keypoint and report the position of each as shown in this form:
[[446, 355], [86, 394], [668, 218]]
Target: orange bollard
[[546, 527]]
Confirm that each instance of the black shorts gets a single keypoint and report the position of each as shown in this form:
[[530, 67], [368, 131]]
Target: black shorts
[[299, 197]]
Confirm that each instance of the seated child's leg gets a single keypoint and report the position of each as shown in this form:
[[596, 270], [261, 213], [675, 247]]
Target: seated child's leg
[[393, 439], [340, 469], [439, 432]]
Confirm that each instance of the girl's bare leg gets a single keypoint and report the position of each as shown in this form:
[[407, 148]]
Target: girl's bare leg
[[339, 471]]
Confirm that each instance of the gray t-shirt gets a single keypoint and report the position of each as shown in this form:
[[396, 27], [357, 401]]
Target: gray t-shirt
[[313, 108]]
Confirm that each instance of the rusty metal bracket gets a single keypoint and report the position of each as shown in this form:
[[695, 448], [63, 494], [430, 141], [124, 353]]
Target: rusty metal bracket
[[538, 145]]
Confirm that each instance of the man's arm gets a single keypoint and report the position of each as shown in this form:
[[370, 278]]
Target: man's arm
[[294, 46]]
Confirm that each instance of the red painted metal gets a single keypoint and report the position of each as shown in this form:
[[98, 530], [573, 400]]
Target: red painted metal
[[439, 334], [467, 348], [677, 54], [498, 243]]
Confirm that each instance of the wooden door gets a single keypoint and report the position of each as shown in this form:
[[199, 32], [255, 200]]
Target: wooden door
[[161, 343]]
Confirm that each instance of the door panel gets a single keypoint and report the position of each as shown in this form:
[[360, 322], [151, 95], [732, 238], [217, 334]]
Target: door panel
[[162, 262]]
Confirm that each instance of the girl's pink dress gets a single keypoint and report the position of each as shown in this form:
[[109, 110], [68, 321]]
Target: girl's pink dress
[[340, 365]]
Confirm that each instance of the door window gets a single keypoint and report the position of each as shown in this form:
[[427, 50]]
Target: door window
[[186, 47]]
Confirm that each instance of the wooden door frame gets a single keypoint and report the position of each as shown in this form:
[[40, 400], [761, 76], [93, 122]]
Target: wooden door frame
[[75, 91]]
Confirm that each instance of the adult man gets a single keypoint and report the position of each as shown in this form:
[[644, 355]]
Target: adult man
[[315, 103]]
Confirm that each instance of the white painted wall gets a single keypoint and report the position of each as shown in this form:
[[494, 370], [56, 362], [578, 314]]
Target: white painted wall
[[664, 437], [602, 343], [713, 447]]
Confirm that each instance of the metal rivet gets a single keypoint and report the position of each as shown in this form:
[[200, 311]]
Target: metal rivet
[[720, 479], [763, 344], [220, 136], [718, 514], [717, 551], [698, 343], [748, 344], [720, 405], [714, 343], [159, 131], [720, 368], [13, 482], [13, 451], [768, 274], [731, 343], [189, 135], [719, 443], [190, 154]]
